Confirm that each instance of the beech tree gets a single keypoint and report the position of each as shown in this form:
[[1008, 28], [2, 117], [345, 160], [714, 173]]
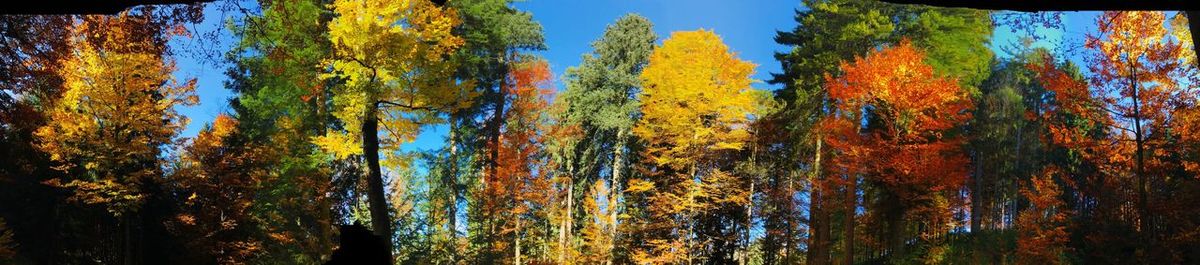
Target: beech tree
[[219, 176], [696, 106], [391, 57], [904, 145], [1127, 107], [1043, 232]]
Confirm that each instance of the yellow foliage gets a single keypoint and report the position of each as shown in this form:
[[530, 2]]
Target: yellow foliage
[[697, 105], [1183, 35], [639, 185], [390, 56], [341, 145], [116, 110], [697, 98]]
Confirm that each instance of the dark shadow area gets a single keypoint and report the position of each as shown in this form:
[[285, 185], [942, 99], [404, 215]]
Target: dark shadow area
[[358, 246]]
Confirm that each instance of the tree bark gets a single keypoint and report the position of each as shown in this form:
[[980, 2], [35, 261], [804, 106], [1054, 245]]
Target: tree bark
[[377, 202], [569, 221], [896, 228], [450, 180], [818, 253], [1140, 141], [848, 223], [517, 243], [615, 191], [976, 193]]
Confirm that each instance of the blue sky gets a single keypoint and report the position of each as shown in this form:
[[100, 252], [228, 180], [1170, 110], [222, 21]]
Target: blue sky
[[570, 28]]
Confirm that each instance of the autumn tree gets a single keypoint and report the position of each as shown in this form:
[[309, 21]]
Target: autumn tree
[[32, 52], [597, 244], [494, 33], [1134, 64], [218, 179], [115, 113], [827, 33], [391, 57], [696, 103], [518, 194], [830, 31], [281, 102], [1127, 107], [1042, 227], [903, 146]]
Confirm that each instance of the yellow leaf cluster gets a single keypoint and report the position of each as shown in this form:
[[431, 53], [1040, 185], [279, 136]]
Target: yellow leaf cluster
[[116, 110], [391, 58], [696, 99], [696, 105]]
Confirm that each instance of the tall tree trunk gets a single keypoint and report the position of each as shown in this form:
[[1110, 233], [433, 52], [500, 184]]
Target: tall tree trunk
[[848, 222], [896, 228], [818, 253], [745, 249], [1143, 200], [497, 121], [493, 135], [977, 193], [377, 202], [569, 221], [614, 191], [450, 181], [517, 243], [789, 220]]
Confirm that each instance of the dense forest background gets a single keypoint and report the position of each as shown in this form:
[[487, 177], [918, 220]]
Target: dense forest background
[[896, 136]]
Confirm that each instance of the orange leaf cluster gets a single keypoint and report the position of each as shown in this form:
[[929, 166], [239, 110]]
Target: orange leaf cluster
[[915, 108], [1042, 227]]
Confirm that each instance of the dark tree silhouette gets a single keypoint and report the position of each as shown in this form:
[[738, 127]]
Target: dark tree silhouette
[[359, 246]]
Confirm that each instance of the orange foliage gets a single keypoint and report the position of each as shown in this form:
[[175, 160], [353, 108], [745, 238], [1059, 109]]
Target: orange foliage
[[115, 111], [915, 108], [220, 176], [520, 186], [1042, 228]]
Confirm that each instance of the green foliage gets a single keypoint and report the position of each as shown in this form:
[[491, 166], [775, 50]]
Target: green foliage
[[598, 109], [494, 32], [280, 104], [955, 40]]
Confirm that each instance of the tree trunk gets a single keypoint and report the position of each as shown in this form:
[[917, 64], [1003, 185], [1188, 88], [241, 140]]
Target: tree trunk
[[818, 253], [450, 181], [976, 194], [744, 256], [614, 191], [789, 232], [1143, 200], [377, 202], [848, 223], [896, 227], [569, 221], [497, 121], [517, 243]]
